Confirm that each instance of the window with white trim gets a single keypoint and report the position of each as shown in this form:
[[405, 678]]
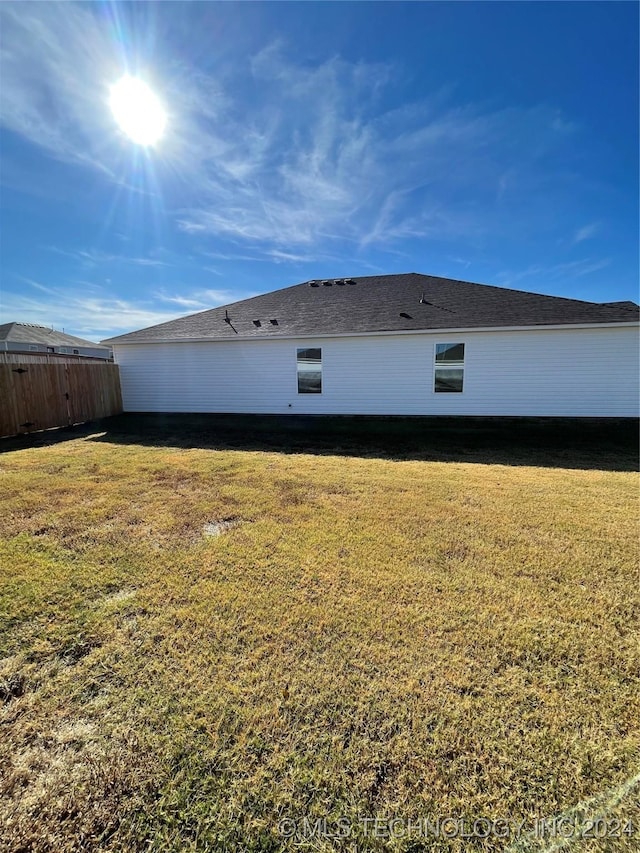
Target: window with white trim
[[449, 368], [309, 365]]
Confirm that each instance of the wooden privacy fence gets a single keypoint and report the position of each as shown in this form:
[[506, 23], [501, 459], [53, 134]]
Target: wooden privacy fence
[[40, 396]]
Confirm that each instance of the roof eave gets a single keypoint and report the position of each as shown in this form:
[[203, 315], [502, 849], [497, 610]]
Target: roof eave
[[111, 342]]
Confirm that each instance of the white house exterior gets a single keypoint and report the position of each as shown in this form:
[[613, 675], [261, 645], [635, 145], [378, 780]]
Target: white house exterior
[[576, 369]]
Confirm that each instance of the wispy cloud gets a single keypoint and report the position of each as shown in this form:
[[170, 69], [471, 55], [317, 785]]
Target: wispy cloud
[[96, 257], [317, 162], [589, 266], [36, 284], [94, 316], [322, 162], [280, 257], [586, 232], [465, 262], [56, 64], [553, 273], [198, 300], [146, 262]]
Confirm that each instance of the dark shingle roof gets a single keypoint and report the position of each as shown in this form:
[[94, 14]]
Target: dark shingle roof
[[31, 333], [381, 303]]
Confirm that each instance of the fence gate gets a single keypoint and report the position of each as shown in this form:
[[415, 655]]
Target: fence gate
[[40, 396]]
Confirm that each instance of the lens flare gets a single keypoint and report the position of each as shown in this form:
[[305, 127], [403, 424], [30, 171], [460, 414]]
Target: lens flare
[[137, 110]]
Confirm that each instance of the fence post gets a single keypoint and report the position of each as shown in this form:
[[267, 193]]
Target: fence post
[[67, 385]]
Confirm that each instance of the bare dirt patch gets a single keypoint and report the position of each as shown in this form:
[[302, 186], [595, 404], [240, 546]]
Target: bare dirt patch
[[217, 528]]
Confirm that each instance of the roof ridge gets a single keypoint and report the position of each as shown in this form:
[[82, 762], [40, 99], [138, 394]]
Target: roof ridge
[[383, 302]]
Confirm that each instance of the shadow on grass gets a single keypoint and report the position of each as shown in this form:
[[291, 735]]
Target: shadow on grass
[[588, 443]]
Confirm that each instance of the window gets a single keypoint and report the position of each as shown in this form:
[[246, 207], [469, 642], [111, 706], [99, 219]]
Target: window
[[50, 349], [449, 368], [76, 352], [310, 371], [33, 348]]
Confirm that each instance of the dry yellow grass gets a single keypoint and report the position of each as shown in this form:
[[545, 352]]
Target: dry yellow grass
[[366, 638]]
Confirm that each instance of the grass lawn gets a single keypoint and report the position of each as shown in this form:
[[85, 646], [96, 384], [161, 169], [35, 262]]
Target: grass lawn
[[444, 635]]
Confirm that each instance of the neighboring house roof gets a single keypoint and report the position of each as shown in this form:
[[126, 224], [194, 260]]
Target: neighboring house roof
[[30, 333], [381, 303]]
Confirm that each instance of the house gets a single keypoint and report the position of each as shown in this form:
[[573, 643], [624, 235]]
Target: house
[[30, 339], [406, 344]]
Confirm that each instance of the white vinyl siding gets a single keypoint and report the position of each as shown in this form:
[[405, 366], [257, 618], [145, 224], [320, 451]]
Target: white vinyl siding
[[542, 372]]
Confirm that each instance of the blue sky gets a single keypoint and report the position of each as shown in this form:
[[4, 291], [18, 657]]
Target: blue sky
[[491, 142]]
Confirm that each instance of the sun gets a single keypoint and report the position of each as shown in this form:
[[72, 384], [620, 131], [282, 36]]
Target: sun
[[137, 110]]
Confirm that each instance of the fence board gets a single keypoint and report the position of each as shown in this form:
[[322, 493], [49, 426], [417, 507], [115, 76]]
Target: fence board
[[41, 396]]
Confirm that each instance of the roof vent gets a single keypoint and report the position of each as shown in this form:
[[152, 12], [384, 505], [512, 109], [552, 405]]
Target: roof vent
[[327, 282], [257, 323], [273, 322], [314, 284], [350, 280], [339, 281]]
